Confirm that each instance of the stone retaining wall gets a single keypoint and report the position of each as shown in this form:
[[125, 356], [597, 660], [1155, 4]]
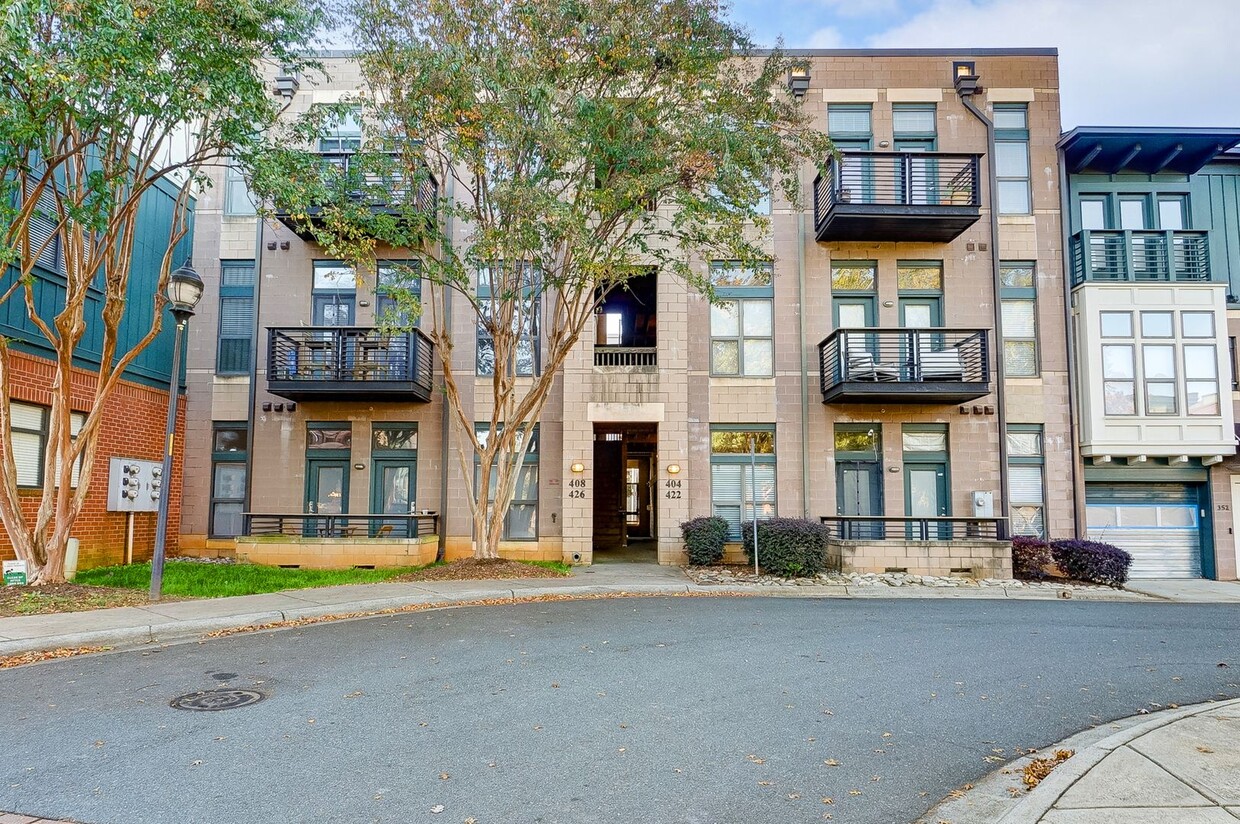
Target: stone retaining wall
[[336, 553], [972, 558]]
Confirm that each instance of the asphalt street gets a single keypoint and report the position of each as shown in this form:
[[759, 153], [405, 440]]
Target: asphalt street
[[736, 710]]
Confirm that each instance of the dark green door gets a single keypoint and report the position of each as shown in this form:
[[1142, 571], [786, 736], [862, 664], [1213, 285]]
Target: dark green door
[[393, 483], [327, 495], [859, 491], [926, 496], [920, 312]]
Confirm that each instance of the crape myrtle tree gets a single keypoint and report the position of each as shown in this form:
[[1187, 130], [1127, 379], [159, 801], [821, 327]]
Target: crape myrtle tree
[[574, 144], [102, 101]]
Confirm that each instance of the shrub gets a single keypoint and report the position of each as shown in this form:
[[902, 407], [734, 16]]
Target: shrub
[[1092, 561], [704, 539], [790, 547], [1029, 557]]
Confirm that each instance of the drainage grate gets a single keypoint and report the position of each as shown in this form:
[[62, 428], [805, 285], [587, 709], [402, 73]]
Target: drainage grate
[[216, 700]]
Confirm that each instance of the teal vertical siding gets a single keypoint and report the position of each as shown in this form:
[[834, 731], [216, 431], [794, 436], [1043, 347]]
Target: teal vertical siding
[[1218, 187], [155, 215]]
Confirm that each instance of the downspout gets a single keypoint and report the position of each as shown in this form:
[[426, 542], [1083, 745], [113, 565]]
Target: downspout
[[966, 97], [250, 416], [1075, 447], [445, 418], [804, 365]]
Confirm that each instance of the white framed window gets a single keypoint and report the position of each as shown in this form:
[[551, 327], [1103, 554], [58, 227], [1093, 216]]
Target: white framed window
[[31, 426]]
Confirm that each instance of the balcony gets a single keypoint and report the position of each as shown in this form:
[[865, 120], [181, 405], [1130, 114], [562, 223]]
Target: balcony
[[1140, 257], [368, 180], [626, 356], [309, 363], [904, 365], [897, 196]]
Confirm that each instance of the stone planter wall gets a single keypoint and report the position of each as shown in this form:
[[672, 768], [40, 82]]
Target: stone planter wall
[[973, 558]]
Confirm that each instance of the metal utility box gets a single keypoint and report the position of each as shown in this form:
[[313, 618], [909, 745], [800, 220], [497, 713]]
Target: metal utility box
[[983, 504], [134, 485]]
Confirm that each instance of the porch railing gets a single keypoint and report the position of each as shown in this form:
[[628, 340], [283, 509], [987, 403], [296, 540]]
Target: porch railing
[[350, 354], [345, 526], [626, 356], [914, 528], [1140, 256]]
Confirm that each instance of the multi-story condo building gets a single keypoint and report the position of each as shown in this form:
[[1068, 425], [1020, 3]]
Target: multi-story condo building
[[1153, 244], [134, 418], [900, 368]]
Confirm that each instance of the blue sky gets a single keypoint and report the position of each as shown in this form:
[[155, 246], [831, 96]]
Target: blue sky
[[1122, 62]]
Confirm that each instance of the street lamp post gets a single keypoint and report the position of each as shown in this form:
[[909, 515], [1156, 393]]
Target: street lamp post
[[184, 292]]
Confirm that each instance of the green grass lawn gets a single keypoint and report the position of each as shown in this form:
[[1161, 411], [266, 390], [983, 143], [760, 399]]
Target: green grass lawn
[[192, 580]]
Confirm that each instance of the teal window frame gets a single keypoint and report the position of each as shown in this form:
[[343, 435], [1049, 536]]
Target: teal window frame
[[385, 303], [719, 460], [227, 458], [1038, 461], [1014, 136], [531, 463], [1009, 295], [234, 349], [927, 140], [742, 296], [851, 139]]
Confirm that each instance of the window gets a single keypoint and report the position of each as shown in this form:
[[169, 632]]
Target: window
[[238, 200], [742, 335], [229, 445], [1026, 487], [334, 294], [398, 283], [1020, 329], [236, 317], [849, 125], [521, 524], [31, 426], [737, 480], [497, 296], [393, 475], [853, 296], [914, 127], [343, 134], [1161, 356], [1012, 158]]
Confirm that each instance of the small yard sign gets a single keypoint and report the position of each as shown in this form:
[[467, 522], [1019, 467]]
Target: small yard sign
[[14, 573]]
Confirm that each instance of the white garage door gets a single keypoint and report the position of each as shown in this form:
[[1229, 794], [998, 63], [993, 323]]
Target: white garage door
[[1158, 524]]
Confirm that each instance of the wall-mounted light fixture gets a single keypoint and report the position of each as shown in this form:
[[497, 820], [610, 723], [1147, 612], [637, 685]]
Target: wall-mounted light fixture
[[883, 144], [964, 77], [359, 466], [798, 80], [578, 467], [673, 469], [287, 83]]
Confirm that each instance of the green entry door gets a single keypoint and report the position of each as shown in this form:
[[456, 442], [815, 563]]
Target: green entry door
[[327, 494], [926, 496], [393, 484]]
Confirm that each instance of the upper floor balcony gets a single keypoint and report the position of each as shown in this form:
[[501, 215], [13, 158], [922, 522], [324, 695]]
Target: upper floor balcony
[[904, 365], [897, 196], [373, 181], [309, 363], [1115, 256]]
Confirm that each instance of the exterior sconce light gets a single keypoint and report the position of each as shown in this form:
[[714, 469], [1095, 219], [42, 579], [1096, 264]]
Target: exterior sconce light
[[798, 81], [359, 466], [578, 467], [673, 469], [287, 83], [964, 77]]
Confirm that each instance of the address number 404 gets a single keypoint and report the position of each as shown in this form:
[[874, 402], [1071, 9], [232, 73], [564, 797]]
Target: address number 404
[[672, 489]]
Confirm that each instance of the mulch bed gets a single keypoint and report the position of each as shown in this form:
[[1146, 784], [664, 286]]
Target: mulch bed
[[471, 569], [50, 598]]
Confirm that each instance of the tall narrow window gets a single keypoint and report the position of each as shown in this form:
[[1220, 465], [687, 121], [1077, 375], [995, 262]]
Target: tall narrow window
[[236, 317], [238, 200], [398, 283], [1026, 484], [342, 135], [1020, 328], [742, 333], [522, 521], [1012, 158], [738, 481], [229, 444], [512, 291]]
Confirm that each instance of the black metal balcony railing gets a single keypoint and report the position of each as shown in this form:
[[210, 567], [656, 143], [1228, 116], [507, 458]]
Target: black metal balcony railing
[[1140, 256], [897, 196], [380, 189], [626, 355], [914, 528], [311, 525], [916, 365], [304, 363]]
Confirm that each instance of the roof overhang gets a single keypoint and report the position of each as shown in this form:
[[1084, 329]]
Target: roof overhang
[[1115, 149]]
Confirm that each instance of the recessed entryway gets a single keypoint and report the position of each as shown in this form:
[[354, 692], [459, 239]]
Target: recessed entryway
[[625, 515]]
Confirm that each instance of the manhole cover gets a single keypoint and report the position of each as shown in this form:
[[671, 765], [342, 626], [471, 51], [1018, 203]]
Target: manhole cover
[[216, 700]]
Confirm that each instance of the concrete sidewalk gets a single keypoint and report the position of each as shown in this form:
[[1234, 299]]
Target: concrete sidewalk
[[1180, 766], [182, 620]]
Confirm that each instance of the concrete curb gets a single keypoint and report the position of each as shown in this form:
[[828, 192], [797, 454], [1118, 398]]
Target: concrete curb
[[990, 802], [161, 629]]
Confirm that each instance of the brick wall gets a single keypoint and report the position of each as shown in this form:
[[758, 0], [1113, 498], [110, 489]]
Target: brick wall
[[133, 427]]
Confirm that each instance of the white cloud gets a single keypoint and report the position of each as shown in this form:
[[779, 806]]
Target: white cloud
[[826, 38], [861, 8], [1122, 62]]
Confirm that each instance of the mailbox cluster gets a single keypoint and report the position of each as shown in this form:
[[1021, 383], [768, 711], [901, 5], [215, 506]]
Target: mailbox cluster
[[134, 485]]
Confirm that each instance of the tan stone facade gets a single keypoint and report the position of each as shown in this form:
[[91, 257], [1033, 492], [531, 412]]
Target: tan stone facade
[[670, 410]]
